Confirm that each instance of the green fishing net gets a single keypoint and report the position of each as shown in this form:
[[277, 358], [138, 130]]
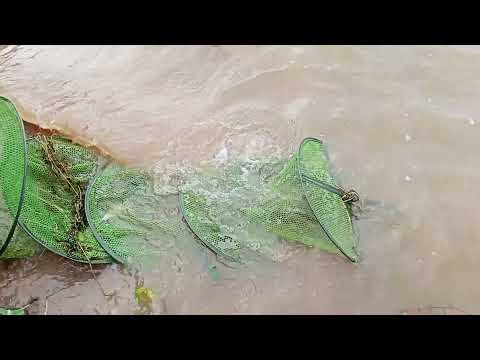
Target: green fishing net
[[328, 201], [238, 211], [285, 211], [215, 203], [202, 218], [301, 203], [21, 246], [128, 218], [52, 213], [12, 170]]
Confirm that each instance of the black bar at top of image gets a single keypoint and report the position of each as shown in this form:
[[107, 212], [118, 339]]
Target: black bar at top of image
[[240, 23]]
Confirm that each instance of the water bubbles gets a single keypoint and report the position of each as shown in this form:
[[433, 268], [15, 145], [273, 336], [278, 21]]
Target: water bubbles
[[408, 178], [408, 138], [471, 121], [429, 100]]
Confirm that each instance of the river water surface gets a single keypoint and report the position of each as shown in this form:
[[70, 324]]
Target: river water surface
[[402, 124]]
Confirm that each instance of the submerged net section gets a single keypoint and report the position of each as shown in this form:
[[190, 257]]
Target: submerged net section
[[286, 212], [201, 216], [132, 222], [13, 156], [53, 211], [302, 203], [221, 207]]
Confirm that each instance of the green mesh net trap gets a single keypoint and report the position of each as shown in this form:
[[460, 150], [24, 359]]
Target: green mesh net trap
[[301, 203], [128, 218], [68, 200], [13, 170], [52, 213]]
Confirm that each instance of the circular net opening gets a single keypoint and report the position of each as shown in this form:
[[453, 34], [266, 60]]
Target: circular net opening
[[53, 210]]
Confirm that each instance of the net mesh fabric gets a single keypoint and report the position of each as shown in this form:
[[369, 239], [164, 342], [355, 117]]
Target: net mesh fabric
[[21, 246], [12, 174], [216, 203], [286, 211], [128, 218], [329, 209], [287, 205], [202, 218], [52, 212]]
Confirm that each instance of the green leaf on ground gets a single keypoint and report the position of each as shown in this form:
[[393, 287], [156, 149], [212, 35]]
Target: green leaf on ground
[[144, 296]]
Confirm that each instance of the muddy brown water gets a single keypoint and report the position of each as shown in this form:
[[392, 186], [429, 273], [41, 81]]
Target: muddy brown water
[[402, 125]]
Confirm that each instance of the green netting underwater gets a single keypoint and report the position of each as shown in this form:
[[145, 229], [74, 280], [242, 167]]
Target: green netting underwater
[[76, 204], [128, 218], [234, 212]]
